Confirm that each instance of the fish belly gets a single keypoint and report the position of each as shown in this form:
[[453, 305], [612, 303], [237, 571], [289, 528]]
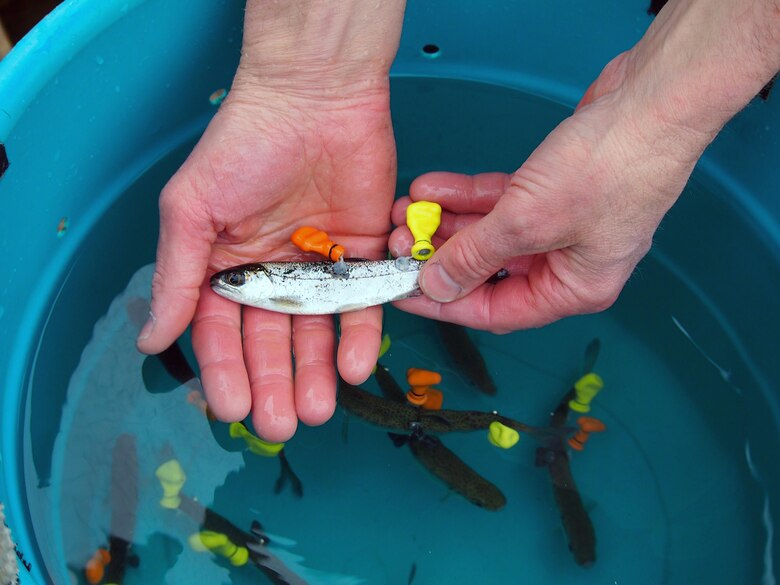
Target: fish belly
[[339, 295]]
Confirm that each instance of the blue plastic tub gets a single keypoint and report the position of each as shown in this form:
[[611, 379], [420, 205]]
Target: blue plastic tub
[[101, 102]]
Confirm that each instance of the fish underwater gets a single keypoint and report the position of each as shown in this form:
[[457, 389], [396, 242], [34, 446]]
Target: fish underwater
[[231, 538], [166, 371], [466, 357], [258, 446], [575, 519], [315, 288], [439, 459], [388, 385], [395, 416], [109, 565], [452, 470]]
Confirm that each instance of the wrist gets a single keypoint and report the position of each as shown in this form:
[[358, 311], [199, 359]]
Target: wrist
[[320, 46], [702, 61]]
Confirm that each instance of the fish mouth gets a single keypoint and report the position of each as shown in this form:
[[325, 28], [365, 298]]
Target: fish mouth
[[218, 284]]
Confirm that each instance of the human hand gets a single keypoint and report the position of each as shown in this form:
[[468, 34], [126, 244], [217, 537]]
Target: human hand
[[281, 152], [568, 228], [573, 221]]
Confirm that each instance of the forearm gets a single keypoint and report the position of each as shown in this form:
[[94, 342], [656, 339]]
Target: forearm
[[702, 61], [321, 44]]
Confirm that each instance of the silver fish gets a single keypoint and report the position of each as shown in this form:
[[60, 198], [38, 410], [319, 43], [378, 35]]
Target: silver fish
[[315, 288]]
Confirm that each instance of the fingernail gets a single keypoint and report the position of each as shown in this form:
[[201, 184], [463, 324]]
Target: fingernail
[[147, 329], [438, 285]]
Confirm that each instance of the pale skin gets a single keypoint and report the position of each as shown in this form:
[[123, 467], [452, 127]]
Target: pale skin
[[304, 138]]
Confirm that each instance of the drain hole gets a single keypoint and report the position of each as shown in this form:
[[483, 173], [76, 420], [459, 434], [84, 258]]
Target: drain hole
[[431, 51]]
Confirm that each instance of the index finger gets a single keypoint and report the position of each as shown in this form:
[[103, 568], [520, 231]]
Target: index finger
[[460, 193]]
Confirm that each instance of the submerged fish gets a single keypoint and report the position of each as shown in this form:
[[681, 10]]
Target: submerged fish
[[170, 369], [439, 459], [313, 288], [218, 534], [466, 357], [124, 507], [452, 470], [395, 416], [167, 370], [575, 519], [287, 475], [387, 384], [273, 567], [576, 522], [255, 542]]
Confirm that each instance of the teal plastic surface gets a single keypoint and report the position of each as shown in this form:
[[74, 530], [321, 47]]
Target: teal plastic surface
[[100, 91]]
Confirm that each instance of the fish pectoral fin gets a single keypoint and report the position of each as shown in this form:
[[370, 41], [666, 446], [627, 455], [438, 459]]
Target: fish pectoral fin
[[287, 302], [261, 538], [398, 439], [287, 475], [258, 551]]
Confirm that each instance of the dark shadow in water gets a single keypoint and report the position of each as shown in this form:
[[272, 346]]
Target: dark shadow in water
[[130, 226]]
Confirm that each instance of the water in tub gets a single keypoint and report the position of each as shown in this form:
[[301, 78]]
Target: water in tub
[[370, 512]]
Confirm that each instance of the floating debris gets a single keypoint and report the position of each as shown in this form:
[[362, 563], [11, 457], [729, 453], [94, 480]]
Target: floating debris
[[62, 226], [218, 97]]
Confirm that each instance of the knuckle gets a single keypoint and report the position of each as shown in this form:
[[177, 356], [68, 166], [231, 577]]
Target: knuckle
[[469, 260]]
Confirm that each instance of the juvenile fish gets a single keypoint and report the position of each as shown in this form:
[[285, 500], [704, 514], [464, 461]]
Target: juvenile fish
[[405, 417], [314, 288], [466, 356], [173, 364], [387, 384], [438, 458], [574, 517], [124, 508], [255, 541], [452, 470]]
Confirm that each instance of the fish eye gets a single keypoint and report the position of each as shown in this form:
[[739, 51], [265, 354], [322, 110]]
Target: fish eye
[[236, 278]]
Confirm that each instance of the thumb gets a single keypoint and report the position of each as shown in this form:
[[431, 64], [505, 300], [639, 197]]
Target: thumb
[[183, 252], [468, 259]]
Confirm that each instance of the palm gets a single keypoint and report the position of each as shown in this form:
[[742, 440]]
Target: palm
[[277, 176], [259, 172]]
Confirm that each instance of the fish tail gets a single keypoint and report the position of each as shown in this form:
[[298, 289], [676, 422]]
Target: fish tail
[[398, 439], [286, 474]]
